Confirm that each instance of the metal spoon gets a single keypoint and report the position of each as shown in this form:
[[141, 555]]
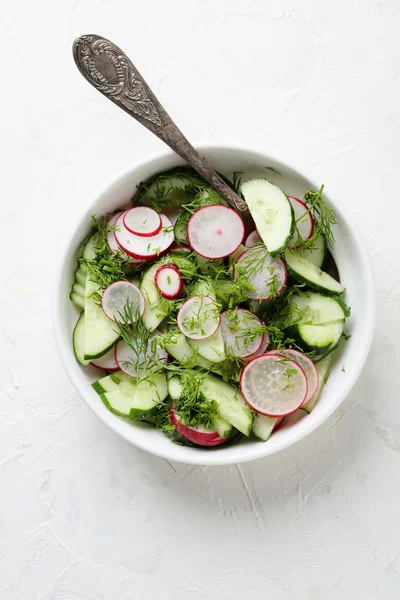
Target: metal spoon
[[111, 72]]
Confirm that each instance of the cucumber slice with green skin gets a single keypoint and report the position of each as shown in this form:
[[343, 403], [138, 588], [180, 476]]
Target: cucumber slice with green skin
[[154, 313], [78, 289], [148, 394], [323, 370], [77, 299], [175, 387], [316, 309], [80, 274], [212, 348], [316, 254], [100, 333], [231, 404], [78, 340], [117, 392], [180, 349], [305, 271], [272, 213], [320, 339], [172, 188], [89, 250], [263, 426], [180, 234]]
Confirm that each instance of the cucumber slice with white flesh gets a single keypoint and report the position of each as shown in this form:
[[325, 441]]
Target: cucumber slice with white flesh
[[320, 339], [154, 312], [100, 333], [263, 426], [316, 253], [78, 340], [89, 251], [323, 373], [148, 394], [179, 348], [80, 274], [272, 213], [175, 387], [316, 309], [79, 289], [117, 392], [212, 348], [173, 188], [77, 299], [306, 272], [231, 404]]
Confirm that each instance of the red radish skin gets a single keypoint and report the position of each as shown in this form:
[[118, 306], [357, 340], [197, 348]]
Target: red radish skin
[[174, 246], [107, 362], [163, 270], [197, 436], [306, 364], [260, 404], [118, 224], [215, 231], [117, 294], [304, 225], [142, 221], [144, 248], [262, 349]]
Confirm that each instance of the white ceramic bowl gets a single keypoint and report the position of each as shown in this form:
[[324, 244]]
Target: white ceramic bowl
[[355, 271]]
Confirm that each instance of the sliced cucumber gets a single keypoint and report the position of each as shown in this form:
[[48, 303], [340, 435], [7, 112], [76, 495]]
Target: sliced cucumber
[[154, 312], [180, 349], [100, 333], [204, 288], [315, 309], [316, 254], [89, 250], [180, 231], [80, 274], [322, 339], [231, 404], [323, 370], [78, 340], [272, 213], [175, 387], [212, 348], [263, 426], [79, 289], [148, 394], [306, 272], [174, 187], [208, 266], [77, 299], [117, 392]]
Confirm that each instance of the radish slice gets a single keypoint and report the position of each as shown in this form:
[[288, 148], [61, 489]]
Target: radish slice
[[142, 221], [306, 364], [169, 281], [141, 358], [215, 231], [198, 318], [145, 247], [266, 274], [183, 247], [114, 246], [262, 349], [106, 362], [120, 295], [253, 239], [273, 386], [242, 332], [304, 221], [197, 435]]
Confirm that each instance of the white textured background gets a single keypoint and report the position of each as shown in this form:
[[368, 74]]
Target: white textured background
[[84, 516]]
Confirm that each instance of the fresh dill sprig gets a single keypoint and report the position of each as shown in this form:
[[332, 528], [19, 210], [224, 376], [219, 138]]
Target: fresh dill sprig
[[324, 218]]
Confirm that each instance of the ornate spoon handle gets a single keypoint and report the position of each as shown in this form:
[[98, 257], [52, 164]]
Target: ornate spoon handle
[[111, 72]]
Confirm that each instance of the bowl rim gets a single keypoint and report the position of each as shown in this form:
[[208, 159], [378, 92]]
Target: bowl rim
[[215, 458]]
